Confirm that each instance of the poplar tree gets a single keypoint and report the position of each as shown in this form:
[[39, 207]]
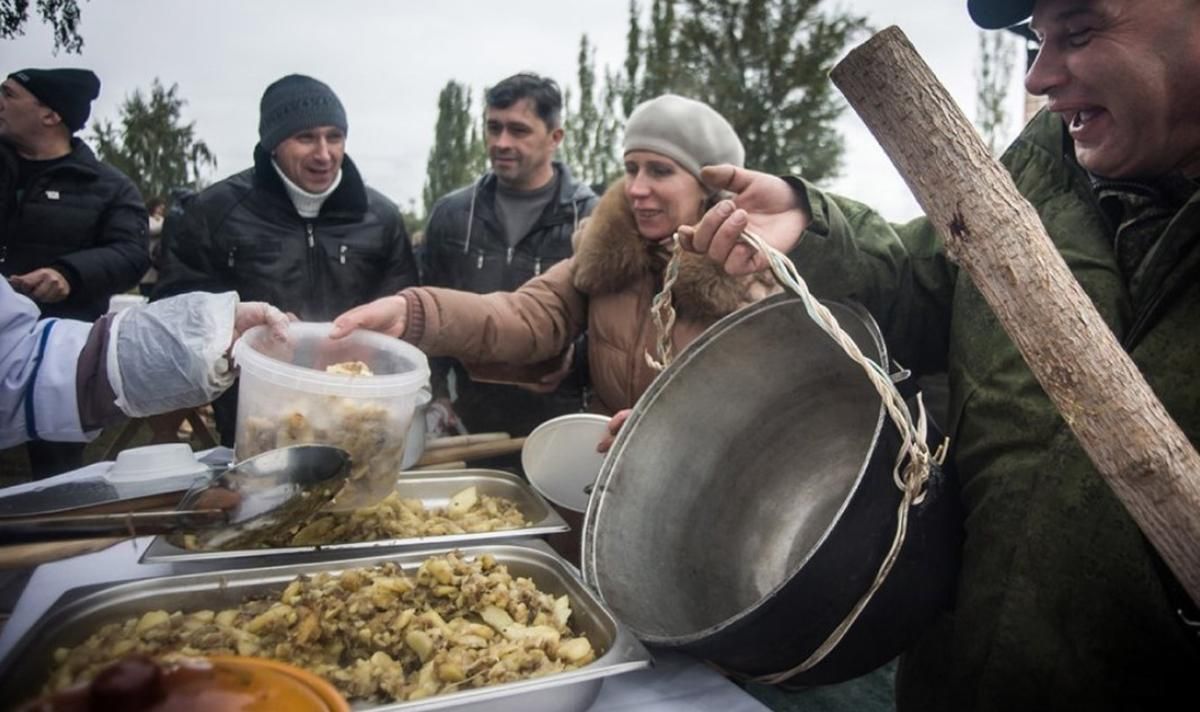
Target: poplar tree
[[591, 127], [627, 85], [661, 53], [993, 77], [457, 156]]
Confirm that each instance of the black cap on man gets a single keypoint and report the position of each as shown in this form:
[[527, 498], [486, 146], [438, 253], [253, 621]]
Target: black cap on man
[[68, 92], [294, 103], [998, 14]]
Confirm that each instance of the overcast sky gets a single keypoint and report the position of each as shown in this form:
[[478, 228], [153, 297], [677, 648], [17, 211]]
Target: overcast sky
[[388, 59]]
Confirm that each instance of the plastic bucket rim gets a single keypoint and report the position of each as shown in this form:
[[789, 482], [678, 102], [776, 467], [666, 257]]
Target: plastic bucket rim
[[288, 375]]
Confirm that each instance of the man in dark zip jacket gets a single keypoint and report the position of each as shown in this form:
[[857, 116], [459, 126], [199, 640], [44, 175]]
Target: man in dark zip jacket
[[72, 229], [299, 230], [511, 225]]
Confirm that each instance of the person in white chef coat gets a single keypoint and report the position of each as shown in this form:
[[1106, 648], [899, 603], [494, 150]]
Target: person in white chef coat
[[64, 380]]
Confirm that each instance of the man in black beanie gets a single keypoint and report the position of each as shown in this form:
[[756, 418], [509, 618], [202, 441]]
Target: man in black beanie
[[300, 229], [67, 92], [73, 229]]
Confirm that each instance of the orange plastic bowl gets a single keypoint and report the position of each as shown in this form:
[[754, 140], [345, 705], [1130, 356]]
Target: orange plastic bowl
[[217, 684], [269, 685]]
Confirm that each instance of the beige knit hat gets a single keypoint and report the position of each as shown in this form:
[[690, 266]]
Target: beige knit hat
[[690, 132]]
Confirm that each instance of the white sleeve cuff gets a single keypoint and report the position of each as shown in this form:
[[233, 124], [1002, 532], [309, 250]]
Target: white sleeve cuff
[[55, 403]]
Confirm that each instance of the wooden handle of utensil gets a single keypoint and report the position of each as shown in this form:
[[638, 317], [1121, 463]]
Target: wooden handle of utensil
[[28, 530], [162, 502], [459, 440], [21, 556], [452, 465], [467, 453], [993, 233]]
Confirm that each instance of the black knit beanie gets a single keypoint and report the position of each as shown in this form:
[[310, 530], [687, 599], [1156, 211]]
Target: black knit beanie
[[68, 91], [295, 103]]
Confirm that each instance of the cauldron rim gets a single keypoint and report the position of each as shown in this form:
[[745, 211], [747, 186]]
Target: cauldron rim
[[879, 353]]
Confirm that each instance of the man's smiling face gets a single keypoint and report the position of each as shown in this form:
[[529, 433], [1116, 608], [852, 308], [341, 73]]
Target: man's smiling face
[[1124, 75]]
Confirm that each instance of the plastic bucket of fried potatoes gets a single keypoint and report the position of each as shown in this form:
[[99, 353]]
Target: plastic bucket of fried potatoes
[[359, 393]]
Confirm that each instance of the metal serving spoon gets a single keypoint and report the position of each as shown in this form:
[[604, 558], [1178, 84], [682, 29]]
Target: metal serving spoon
[[251, 498]]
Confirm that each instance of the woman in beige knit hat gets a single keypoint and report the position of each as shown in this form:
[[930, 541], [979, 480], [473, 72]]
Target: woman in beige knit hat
[[607, 287]]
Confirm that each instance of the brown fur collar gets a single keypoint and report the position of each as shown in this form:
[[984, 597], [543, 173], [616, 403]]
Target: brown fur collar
[[610, 255]]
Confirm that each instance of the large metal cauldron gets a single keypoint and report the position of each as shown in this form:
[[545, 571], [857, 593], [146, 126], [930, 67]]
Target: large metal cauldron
[[748, 502]]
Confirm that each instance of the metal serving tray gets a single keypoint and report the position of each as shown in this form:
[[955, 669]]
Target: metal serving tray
[[81, 612], [434, 489]]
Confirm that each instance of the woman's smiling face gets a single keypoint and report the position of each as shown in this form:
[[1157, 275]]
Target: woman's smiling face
[[662, 194]]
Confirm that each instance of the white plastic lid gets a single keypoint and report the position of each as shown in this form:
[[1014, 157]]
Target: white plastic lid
[[154, 462], [560, 458]]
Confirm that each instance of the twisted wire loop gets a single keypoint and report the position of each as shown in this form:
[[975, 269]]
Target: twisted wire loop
[[662, 311], [914, 461]]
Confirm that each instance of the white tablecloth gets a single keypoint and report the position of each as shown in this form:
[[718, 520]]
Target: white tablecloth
[[676, 683]]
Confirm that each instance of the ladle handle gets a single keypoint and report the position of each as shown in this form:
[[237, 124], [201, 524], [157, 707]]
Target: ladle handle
[[25, 530]]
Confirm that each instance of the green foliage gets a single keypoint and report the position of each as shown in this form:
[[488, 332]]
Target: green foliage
[[992, 81], [151, 145], [61, 15], [590, 146], [414, 221], [662, 72], [763, 64], [627, 87], [458, 154]]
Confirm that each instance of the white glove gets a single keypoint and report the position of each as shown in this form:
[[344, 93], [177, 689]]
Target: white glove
[[173, 353], [252, 314]]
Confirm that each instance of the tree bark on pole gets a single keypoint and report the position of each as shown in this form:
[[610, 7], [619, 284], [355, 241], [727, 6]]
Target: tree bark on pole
[[993, 233]]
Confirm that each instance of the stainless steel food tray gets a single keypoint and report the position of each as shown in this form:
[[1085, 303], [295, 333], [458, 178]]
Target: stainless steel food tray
[[434, 489], [80, 612]]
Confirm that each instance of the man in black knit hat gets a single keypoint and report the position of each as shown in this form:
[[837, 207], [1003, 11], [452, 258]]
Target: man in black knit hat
[[73, 229], [299, 230]]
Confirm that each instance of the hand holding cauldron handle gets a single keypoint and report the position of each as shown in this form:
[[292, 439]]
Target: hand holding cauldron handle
[[996, 236]]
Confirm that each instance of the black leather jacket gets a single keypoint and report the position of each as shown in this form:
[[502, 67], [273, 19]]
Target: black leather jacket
[[244, 234], [465, 249], [82, 217]]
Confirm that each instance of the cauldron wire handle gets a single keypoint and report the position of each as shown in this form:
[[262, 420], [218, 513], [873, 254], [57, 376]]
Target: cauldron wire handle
[[913, 462], [663, 312], [913, 434]]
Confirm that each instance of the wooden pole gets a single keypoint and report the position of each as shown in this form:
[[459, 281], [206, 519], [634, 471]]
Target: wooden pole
[[460, 440], [26, 556], [452, 465], [993, 233], [467, 453]]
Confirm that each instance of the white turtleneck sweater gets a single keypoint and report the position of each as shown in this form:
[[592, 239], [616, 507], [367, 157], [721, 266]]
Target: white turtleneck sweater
[[307, 204]]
